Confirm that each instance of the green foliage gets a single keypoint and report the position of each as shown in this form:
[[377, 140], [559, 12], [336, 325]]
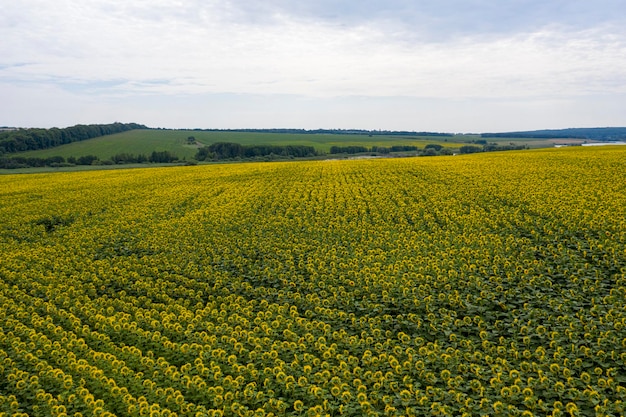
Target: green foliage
[[22, 162], [86, 159], [20, 140], [228, 150], [129, 158], [489, 147], [162, 157], [470, 149], [349, 149]]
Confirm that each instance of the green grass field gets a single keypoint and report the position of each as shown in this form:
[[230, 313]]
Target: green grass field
[[175, 141]]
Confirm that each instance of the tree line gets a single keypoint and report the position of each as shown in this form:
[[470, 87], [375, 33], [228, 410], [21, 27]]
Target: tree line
[[432, 149], [352, 149], [20, 140], [14, 162], [490, 147], [594, 133], [228, 150]]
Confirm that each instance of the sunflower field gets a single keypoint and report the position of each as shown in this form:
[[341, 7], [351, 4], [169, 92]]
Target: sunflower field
[[479, 285]]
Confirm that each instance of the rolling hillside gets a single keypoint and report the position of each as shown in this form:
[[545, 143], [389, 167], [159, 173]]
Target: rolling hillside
[[144, 141], [593, 133], [106, 144]]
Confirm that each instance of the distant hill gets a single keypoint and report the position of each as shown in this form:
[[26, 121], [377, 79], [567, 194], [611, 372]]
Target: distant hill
[[120, 143], [333, 132], [152, 145], [591, 133]]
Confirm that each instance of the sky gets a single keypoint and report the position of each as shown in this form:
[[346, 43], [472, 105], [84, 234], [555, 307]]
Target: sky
[[458, 66]]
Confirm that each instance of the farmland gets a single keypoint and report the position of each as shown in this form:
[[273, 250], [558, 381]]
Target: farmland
[[488, 284], [145, 141]]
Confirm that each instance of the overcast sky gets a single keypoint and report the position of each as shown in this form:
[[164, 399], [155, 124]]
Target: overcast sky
[[434, 65]]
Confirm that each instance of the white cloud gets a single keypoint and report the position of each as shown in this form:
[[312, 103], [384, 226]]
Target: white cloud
[[115, 49]]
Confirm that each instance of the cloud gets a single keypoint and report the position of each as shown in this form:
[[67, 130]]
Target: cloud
[[442, 19], [453, 49]]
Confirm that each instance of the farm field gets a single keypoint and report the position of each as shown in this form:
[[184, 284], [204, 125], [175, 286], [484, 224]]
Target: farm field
[[175, 141], [489, 284]]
